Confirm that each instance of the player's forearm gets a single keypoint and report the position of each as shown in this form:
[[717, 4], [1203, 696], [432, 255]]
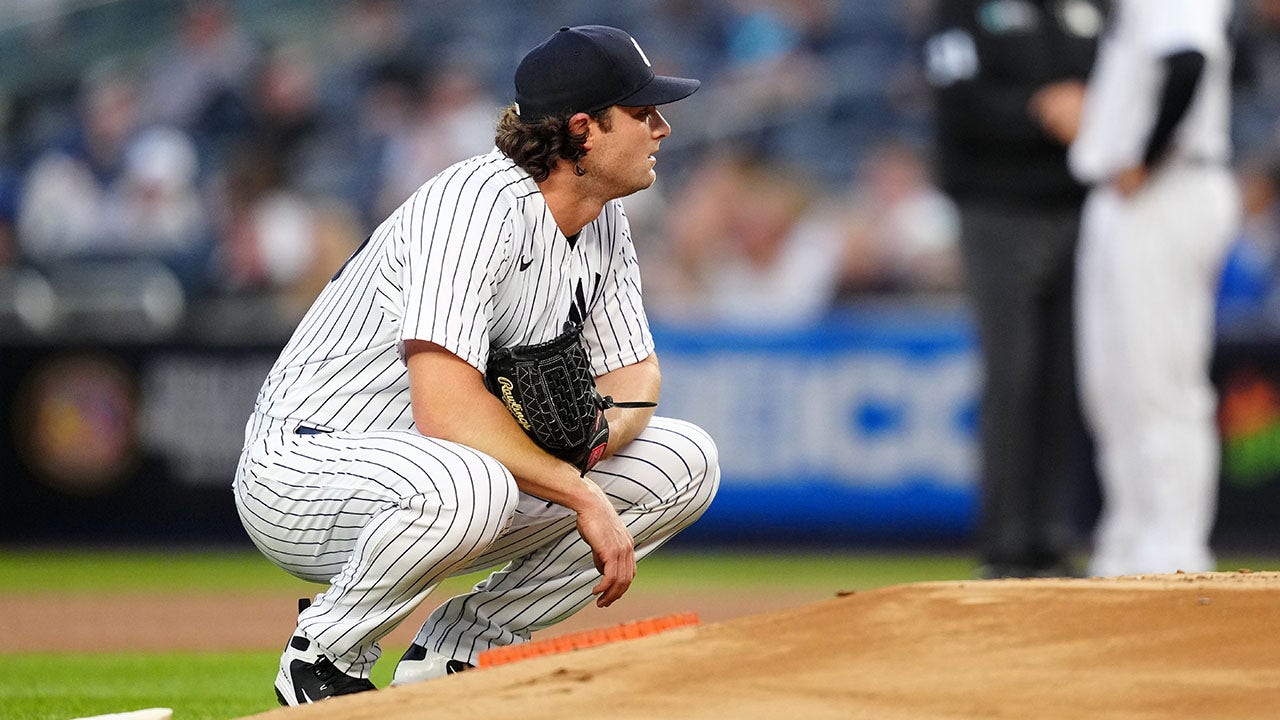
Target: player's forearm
[[641, 381], [450, 402], [484, 424], [544, 476]]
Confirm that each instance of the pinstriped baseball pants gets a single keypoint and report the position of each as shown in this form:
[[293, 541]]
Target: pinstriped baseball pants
[[383, 517]]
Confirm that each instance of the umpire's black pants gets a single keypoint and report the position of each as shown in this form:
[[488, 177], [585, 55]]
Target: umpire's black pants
[[1019, 274]]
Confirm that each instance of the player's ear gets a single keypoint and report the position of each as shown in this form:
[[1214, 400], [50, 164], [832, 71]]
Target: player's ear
[[580, 124]]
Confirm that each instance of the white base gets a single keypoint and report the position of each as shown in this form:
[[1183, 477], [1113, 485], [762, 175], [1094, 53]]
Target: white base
[[148, 714]]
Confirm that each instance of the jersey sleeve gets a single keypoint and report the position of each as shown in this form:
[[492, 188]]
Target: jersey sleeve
[[1177, 25], [616, 330], [458, 234]]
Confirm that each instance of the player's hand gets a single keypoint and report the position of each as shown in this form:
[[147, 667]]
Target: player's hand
[[1058, 108], [1130, 180], [612, 549]]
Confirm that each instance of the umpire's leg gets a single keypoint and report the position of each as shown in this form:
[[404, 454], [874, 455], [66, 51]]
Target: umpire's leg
[[1014, 258], [660, 483]]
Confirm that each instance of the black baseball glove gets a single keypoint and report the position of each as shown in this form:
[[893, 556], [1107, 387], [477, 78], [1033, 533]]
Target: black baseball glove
[[551, 393]]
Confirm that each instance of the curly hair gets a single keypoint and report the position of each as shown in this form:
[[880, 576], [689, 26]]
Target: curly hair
[[537, 146]]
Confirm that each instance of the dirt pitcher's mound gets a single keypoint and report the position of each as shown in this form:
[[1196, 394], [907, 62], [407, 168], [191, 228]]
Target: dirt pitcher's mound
[[1168, 646]]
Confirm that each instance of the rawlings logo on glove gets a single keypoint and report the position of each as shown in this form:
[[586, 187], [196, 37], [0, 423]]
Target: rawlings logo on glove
[[509, 399], [549, 389]]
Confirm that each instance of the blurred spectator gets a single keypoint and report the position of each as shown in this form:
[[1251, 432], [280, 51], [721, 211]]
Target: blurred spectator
[[363, 99], [1256, 101], [154, 208], [115, 191], [770, 69], [367, 86], [206, 64], [284, 118], [1248, 301], [754, 244], [451, 118], [263, 228], [900, 231], [334, 232], [8, 216], [273, 242], [743, 253], [368, 33], [382, 114], [8, 254], [65, 188], [268, 245]]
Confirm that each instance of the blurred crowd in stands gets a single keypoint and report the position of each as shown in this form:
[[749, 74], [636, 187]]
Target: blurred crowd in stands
[[216, 169]]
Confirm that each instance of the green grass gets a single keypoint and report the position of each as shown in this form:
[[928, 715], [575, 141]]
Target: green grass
[[214, 685], [98, 571], [133, 571], [93, 570], [218, 686], [197, 686]]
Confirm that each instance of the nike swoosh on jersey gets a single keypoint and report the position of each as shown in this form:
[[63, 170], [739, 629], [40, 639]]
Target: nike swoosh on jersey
[[524, 264]]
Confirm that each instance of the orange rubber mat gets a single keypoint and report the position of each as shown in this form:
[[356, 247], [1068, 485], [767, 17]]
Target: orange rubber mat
[[584, 639]]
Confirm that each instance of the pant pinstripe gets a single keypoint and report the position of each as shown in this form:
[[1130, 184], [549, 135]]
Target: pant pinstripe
[[383, 517]]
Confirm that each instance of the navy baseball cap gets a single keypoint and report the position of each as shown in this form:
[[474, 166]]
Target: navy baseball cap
[[588, 68]]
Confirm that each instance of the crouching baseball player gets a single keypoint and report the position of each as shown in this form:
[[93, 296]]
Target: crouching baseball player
[[447, 404]]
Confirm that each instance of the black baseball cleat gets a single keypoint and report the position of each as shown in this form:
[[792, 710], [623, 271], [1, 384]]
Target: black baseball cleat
[[306, 675]]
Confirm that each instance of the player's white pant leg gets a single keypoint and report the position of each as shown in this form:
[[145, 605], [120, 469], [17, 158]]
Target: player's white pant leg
[[1147, 282], [1100, 328], [1184, 435], [382, 517], [660, 484]]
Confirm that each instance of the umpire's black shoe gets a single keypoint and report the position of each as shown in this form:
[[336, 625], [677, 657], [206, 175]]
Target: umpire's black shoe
[[1052, 569], [1003, 571], [306, 675]]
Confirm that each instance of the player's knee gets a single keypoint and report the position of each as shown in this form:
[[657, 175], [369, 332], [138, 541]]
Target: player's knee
[[479, 495], [495, 494], [693, 471], [701, 456]]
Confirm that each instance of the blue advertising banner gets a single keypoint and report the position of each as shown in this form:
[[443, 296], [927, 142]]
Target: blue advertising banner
[[859, 428]]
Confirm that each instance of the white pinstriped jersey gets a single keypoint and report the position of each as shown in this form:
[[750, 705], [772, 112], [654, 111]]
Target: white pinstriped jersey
[[471, 260], [1122, 101]]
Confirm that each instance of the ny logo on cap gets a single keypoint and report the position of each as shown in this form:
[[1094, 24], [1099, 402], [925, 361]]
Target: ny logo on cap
[[642, 55]]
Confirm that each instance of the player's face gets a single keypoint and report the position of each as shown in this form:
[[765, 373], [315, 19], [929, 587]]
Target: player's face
[[622, 157]]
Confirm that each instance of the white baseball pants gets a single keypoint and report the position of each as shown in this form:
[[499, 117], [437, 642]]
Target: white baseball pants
[[1147, 276], [383, 517]]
